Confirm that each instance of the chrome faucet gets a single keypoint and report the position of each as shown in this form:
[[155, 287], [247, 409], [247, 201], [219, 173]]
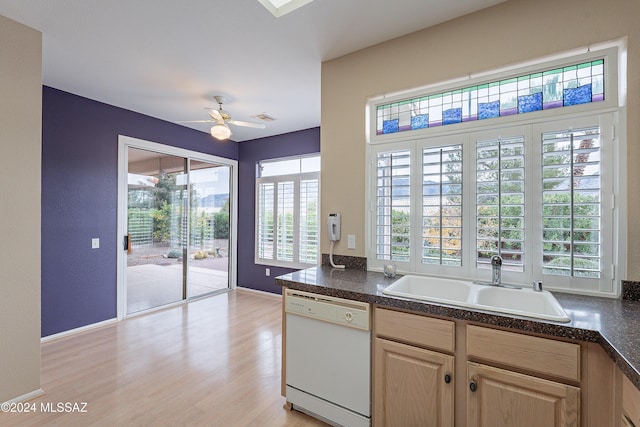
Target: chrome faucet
[[496, 270]]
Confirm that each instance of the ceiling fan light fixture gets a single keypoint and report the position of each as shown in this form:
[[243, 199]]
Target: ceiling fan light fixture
[[221, 131]]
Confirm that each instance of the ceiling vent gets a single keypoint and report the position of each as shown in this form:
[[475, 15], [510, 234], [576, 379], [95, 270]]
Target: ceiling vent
[[264, 117]]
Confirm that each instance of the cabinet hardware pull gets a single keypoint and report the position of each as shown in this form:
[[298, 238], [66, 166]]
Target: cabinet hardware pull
[[473, 386], [447, 378]]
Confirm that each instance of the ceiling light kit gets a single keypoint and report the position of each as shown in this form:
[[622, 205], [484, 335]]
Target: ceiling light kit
[[221, 131], [222, 119]]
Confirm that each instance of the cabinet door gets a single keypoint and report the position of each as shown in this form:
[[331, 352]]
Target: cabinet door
[[506, 399], [412, 386], [630, 403]]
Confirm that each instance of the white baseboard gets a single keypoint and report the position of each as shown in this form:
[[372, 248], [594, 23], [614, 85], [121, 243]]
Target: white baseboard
[[27, 396], [79, 330], [265, 293]]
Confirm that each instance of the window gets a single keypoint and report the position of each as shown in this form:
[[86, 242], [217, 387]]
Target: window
[[500, 207], [442, 205], [554, 87], [287, 212], [538, 189], [393, 206], [572, 203], [535, 197]]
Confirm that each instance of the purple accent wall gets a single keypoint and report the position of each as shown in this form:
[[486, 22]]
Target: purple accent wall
[[79, 201], [251, 275]]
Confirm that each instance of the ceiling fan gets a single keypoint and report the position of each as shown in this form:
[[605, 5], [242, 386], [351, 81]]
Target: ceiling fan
[[222, 119]]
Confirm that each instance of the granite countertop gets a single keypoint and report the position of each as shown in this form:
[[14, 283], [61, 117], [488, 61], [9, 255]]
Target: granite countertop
[[612, 323]]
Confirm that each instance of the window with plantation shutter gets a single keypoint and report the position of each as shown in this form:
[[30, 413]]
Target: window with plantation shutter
[[527, 162], [265, 220], [442, 205], [571, 203], [393, 206], [287, 212], [309, 227], [500, 202]]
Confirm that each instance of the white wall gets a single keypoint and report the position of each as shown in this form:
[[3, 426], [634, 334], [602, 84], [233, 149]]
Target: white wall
[[20, 172]]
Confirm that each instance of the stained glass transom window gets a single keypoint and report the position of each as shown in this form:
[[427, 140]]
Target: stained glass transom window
[[560, 87]]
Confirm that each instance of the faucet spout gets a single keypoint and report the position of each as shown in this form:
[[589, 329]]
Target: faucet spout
[[496, 270]]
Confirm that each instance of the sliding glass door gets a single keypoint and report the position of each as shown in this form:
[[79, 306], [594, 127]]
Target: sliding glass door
[[209, 226], [155, 229], [178, 228]]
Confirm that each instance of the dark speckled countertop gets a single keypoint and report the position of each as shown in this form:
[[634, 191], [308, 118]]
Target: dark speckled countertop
[[613, 323]]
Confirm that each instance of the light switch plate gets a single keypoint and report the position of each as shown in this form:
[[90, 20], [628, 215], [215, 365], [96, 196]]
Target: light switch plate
[[95, 243], [351, 241]]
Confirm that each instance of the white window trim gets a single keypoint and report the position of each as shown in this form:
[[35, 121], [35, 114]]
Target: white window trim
[[296, 179], [613, 226]]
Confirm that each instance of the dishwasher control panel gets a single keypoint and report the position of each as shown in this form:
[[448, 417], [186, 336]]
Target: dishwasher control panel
[[341, 311]]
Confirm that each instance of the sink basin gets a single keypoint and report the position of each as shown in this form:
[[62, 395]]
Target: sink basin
[[520, 302], [431, 289], [523, 302]]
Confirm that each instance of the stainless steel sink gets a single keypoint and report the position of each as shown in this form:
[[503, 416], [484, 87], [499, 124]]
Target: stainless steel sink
[[520, 302]]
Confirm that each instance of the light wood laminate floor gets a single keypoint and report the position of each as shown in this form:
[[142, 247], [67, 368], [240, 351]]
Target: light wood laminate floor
[[212, 362]]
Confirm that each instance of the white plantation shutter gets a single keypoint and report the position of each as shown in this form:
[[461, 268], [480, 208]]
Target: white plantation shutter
[[571, 203], [287, 212], [285, 218], [442, 205], [393, 206], [265, 219], [500, 202], [309, 216]]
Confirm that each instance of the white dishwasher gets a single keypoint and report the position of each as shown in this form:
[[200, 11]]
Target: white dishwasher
[[328, 357]]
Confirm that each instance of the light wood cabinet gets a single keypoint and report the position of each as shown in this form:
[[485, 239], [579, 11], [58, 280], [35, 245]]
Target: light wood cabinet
[[412, 386], [413, 376], [518, 379], [630, 403], [498, 397]]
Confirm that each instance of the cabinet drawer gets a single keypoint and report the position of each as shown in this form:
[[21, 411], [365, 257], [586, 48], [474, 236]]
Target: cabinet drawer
[[414, 329], [556, 358], [631, 401]]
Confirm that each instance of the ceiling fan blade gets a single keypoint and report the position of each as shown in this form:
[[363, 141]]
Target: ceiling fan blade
[[197, 121], [246, 124], [215, 114]]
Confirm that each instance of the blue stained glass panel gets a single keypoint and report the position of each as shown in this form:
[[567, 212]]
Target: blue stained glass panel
[[554, 88], [528, 103], [420, 121], [488, 110], [453, 115], [578, 95], [390, 126]]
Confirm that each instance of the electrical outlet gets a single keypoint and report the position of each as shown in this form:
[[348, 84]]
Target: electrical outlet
[[267, 272], [95, 243], [351, 241]]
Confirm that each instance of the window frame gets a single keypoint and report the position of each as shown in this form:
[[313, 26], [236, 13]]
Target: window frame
[[296, 178], [613, 218], [611, 115]]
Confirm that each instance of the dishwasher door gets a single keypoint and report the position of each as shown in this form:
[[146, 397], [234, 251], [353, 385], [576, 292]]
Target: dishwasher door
[[328, 356]]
